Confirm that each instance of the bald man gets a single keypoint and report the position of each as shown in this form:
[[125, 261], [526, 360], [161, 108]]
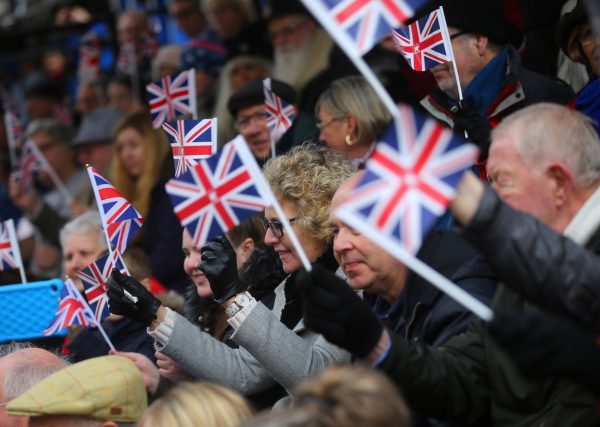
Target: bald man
[[22, 366]]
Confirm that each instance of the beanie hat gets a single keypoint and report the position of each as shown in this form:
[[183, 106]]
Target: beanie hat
[[205, 54], [252, 93]]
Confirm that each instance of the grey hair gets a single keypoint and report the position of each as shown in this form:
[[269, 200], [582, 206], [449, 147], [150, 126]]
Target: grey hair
[[88, 222], [547, 132], [56, 130], [354, 95], [25, 375], [13, 346]]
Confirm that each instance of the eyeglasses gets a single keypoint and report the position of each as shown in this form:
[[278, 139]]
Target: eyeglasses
[[244, 121], [321, 125], [460, 33], [275, 226]]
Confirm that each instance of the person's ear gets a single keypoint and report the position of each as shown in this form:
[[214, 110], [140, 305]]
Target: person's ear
[[561, 183], [352, 124], [481, 43], [245, 249]]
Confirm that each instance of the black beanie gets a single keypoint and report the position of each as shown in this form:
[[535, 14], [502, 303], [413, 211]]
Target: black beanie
[[479, 16], [252, 93]]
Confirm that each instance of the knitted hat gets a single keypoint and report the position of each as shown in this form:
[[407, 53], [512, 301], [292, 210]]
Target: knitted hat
[[97, 126], [107, 388], [479, 16], [252, 93], [205, 54]]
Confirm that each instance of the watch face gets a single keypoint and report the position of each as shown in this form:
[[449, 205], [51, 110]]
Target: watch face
[[242, 299]]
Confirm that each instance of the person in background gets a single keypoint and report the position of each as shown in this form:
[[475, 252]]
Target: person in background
[[42, 98], [167, 61], [188, 17], [90, 95], [351, 118], [236, 73], [121, 95], [247, 106], [141, 166], [201, 404]]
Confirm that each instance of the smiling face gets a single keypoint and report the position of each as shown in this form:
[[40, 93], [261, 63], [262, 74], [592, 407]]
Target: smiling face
[[283, 246], [190, 266], [367, 266], [130, 149], [252, 124]]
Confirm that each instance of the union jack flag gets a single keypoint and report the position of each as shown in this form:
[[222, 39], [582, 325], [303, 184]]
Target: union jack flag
[[218, 193], [171, 96], [408, 182], [367, 21], [191, 140], [72, 310], [94, 278], [120, 220], [89, 57], [31, 162], [425, 43], [10, 256], [281, 114]]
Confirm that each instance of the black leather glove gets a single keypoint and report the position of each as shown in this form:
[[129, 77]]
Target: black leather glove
[[333, 309], [139, 305], [477, 126], [547, 346], [219, 265]]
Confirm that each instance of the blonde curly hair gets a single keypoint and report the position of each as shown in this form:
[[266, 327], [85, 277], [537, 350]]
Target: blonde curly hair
[[308, 177]]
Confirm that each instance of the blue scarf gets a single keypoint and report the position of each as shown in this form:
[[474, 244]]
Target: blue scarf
[[588, 101]]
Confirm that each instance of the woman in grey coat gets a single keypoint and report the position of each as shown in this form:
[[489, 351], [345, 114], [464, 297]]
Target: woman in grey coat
[[274, 344]]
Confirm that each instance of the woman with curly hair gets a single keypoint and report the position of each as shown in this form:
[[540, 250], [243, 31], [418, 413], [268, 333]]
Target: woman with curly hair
[[141, 166], [274, 345]]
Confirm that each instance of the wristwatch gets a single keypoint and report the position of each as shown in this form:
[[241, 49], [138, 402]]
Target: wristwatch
[[239, 301]]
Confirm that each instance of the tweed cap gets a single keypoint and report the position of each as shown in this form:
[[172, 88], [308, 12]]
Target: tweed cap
[[104, 388]]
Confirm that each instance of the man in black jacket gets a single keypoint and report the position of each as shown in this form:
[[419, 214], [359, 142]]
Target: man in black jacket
[[544, 160]]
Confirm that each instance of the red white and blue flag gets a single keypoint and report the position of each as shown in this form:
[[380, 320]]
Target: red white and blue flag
[[89, 57], [408, 182], [72, 310], [367, 21], [94, 278], [172, 96], [10, 256], [191, 141], [120, 220], [281, 114], [425, 43], [31, 162], [220, 192]]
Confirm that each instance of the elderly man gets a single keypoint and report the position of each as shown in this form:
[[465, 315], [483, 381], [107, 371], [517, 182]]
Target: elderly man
[[544, 160], [493, 82], [21, 367], [303, 53], [247, 106]]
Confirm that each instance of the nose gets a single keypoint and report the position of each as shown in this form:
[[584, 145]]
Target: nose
[[342, 241], [270, 238]]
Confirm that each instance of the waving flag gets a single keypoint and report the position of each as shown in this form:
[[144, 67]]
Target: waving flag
[[409, 180], [10, 256], [31, 162], [191, 141], [120, 220], [281, 114], [72, 310], [171, 96], [425, 43], [219, 192], [367, 21], [94, 278]]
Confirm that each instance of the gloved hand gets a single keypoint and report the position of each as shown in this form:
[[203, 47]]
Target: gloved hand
[[333, 309], [543, 345], [140, 305], [477, 126], [219, 265]]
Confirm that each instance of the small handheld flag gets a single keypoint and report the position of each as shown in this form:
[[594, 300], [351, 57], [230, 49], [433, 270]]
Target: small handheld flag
[[172, 96], [281, 114], [72, 310], [191, 141]]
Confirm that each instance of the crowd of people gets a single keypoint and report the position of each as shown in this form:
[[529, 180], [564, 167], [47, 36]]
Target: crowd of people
[[237, 332]]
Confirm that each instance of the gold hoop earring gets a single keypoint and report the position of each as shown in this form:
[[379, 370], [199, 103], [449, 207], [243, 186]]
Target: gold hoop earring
[[350, 141]]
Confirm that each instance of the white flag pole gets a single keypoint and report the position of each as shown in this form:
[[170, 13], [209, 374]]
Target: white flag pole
[[98, 205], [448, 42], [14, 243], [345, 43], [415, 264], [265, 191], [90, 313], [267, 86], [193, 97]]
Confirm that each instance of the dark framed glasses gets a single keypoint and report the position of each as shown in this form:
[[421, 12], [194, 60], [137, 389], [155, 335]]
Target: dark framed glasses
[[275, 226]]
